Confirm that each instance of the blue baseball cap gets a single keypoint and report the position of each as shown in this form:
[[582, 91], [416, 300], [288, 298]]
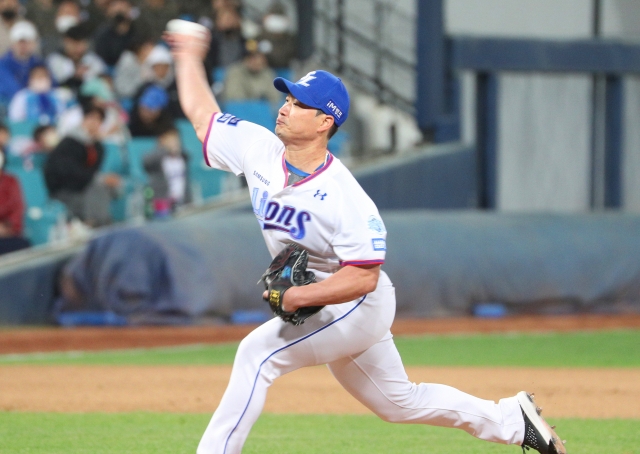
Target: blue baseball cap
[[154, 98], [321, 90]]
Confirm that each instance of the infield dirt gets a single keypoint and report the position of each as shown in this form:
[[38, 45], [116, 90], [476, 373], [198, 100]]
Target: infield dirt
[[586, 393], [566, 392]]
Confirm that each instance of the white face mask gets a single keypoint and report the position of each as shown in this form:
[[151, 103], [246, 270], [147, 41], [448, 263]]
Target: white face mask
[[40, 85], [64, 23], [276, 23]]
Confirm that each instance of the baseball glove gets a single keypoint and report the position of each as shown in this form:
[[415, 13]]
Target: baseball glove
[[288, 269]]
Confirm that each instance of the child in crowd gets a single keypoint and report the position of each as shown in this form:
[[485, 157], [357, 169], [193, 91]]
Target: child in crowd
[[39, 102], [167, 168]]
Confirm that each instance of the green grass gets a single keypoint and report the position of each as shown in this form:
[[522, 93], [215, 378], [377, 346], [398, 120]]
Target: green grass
[[143, 433], [579, 349]]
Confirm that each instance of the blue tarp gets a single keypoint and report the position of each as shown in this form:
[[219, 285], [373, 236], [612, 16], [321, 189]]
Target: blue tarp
[[442, 263], [174, 272]]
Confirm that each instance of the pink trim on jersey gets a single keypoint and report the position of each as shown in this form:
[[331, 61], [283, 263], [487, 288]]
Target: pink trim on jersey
[[361, 262], [206, 139], [310, 177], [285, 170], [315, 174]]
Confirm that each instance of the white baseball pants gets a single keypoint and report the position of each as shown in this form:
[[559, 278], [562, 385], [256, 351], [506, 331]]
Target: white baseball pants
[[353, 339]]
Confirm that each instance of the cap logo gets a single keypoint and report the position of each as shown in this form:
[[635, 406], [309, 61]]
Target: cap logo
[[306, 79], [333, 108]]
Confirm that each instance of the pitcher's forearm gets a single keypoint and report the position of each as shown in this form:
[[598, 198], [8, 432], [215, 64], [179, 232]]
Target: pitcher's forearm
[[196, 99], [349, 283]]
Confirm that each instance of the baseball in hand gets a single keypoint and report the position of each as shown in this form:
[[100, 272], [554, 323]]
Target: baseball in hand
[[184, 27]]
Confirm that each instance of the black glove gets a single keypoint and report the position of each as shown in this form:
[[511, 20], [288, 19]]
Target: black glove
[[287, 269]]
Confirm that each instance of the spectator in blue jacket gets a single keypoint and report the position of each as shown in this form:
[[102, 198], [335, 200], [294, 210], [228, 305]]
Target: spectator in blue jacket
[[39, 102], [16, 64]]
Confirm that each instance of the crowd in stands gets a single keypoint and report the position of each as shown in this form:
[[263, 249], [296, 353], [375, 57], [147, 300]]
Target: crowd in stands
[[85, 73]]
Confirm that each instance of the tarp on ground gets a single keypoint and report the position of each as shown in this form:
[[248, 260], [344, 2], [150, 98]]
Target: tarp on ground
[[441, 263]]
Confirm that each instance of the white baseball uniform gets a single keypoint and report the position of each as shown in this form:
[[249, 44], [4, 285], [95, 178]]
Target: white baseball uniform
[[330, 215]]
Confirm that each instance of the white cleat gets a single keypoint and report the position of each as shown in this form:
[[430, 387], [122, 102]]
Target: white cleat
[[538, 434]]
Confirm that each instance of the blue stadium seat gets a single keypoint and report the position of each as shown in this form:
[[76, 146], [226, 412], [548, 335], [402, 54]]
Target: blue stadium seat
[[138, 147], [255, 111]]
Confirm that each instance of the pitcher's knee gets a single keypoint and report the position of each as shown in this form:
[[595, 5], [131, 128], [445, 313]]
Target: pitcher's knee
[[391, 416], [249, 349]]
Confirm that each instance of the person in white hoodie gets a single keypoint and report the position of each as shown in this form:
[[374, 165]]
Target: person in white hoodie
[[129, 73], [75, 62]]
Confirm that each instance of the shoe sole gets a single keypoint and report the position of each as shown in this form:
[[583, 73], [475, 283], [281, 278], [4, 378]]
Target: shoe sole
[[530, 409]]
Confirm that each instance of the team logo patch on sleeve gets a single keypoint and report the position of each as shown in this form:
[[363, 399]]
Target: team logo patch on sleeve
[[376, 224], [229, 119], [379, 244]]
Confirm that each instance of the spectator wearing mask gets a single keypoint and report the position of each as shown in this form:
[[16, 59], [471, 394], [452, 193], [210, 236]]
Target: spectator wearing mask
[[128, 74], [72, 173], [11, 212], [276, 28], [16, 64], [114, 37], [39, 102], [251, 78], [150, 115], [9, 15], [75, 63], [167, 168], [66, 14]]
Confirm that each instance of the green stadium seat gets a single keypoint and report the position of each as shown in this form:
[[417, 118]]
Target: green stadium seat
[[208, 180], [138, 147], [113, 161], [42, 213], [190, 142], [22, 128]]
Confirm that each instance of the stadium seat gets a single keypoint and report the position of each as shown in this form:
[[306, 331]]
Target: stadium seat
[[22, 128], [207, 180], [113, 161], [190, 142], [34, 189], [138, 147], [43, 213], [256, 111]]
